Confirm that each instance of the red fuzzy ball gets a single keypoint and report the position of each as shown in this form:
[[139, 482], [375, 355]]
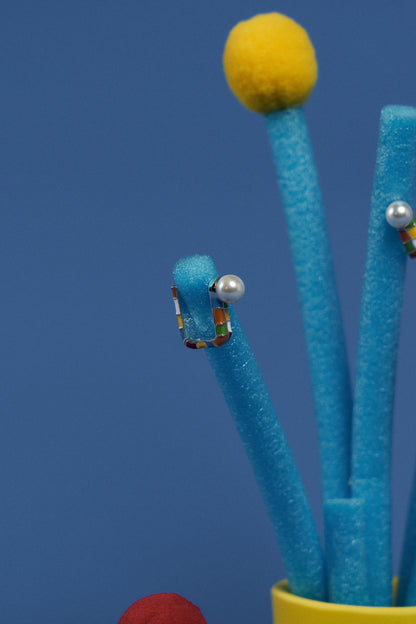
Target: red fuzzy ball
[[163, 609]]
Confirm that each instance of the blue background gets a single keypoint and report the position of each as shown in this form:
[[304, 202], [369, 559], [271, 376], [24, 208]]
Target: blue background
[[121, 150]]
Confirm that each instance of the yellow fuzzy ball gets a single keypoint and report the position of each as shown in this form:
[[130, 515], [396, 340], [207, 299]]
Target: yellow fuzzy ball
[[269, 63]]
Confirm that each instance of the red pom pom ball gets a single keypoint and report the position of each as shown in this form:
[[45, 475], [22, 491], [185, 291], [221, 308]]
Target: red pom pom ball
[[163, 609]]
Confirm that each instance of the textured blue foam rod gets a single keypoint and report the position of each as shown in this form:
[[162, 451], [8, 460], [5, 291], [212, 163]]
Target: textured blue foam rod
[[378, 343], [250, 405], [406, 590], [345, 551], [410, 599], [322, 321]]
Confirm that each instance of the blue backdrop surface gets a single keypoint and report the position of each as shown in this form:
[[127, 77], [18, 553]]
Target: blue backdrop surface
[[122, 150]]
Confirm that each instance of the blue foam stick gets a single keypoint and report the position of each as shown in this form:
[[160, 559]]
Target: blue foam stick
[[322, 321], [410, 599], [250, 405], [378, 343], [406, 589], [345, 551]]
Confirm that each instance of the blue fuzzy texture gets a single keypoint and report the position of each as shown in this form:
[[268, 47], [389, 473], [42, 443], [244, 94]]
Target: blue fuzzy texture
[[321, 314], [378, 343], [250, 405], [345, 551]]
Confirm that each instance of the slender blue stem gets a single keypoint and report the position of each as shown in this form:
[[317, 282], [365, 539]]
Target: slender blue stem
[[378, 344], [322, 320], [345, 551], [260, 431]]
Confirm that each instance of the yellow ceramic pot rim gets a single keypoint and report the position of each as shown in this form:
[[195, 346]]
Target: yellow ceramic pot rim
[[290, 609]]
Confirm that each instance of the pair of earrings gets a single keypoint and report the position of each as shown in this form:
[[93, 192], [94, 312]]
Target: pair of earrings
[[224, 290], [230, 288]]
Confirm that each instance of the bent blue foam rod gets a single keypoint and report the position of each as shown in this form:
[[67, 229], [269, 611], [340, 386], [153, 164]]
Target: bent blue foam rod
[[379, 331], [261, 433], [270, 66]]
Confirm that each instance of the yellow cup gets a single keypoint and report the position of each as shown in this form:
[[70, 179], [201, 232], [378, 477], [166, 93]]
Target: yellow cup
[[290, 609]]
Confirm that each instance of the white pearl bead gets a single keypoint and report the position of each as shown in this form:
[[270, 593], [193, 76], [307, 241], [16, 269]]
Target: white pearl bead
[[229, 288], [399, 214]]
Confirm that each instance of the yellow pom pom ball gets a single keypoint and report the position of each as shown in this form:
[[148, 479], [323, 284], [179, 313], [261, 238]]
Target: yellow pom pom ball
[[269, 63]]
